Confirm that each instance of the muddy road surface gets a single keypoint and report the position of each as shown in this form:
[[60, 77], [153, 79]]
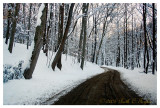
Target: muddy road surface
[[104, 89]]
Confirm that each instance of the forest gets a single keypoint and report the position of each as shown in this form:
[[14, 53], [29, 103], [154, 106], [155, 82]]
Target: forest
[[104, 34]]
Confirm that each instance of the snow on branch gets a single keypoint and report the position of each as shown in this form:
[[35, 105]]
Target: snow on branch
[[40, 14]]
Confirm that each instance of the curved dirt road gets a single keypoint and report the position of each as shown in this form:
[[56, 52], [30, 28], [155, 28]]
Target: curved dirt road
[[104, 89]]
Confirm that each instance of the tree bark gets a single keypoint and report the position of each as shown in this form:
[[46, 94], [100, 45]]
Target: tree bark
[[138, 50], [40, 30], [80, 41], [61, 47], [48, 31], [56, 27], [126, 63], [145, 40], [85, 10], [154, 48], [59, 64], [118, 46], [24, 14], [45, 31], [9, 23], [124, 50], [29, 24], [95, 39], [8, 29], [132, 61], [14, 27]]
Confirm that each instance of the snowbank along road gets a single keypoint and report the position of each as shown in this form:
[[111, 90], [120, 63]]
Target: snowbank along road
[[104, 89]]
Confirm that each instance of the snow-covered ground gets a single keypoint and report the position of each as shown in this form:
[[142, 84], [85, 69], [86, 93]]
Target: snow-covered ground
[[144, 84], [45, 82]]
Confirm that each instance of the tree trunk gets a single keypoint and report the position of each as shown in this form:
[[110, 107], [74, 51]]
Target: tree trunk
[[8, 29], [55, 28], [49, 31], [126, 63], [124, 50], [29, 24], [85, 10], [145, 40], [14, 27], [103, 34], [40, 30], [154, 48], [24, 15], [138, 50], [118, 46], [61, 47], [95, 39], [59, 64], [9, 23], [45, 31], [132, 61], [80, 41]]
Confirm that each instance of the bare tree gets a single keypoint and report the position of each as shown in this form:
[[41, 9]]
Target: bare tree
[[132, 54], [61, 19], [10, 6], [118, 45], [154, 40], [126, 39], [14, 27], [49, 30], [95, 38], [45, 32], [29, 24], [105, 25], [61, 47], [40, 30], [80, 41], [145, 40], [85, 10]]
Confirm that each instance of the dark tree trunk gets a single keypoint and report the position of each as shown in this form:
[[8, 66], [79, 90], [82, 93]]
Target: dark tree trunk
[[144, 28], [154, 48], [95, 40], [37, 45], [145, 40], [85, 10], [118, 46], [48, 31], [8, 26], [126, 63], [55, 27], [14, 27], [24, 14], [66, 7], [138, 51], [45, 31], [132, 61], [8, 29], [29, 24], [61, 47], [59, 64], [80, 41]]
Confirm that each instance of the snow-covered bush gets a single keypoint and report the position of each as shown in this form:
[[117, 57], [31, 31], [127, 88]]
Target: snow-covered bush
[[12, 72]]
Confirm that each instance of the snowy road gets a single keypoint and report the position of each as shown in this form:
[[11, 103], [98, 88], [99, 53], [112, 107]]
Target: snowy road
[[106, 88]]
